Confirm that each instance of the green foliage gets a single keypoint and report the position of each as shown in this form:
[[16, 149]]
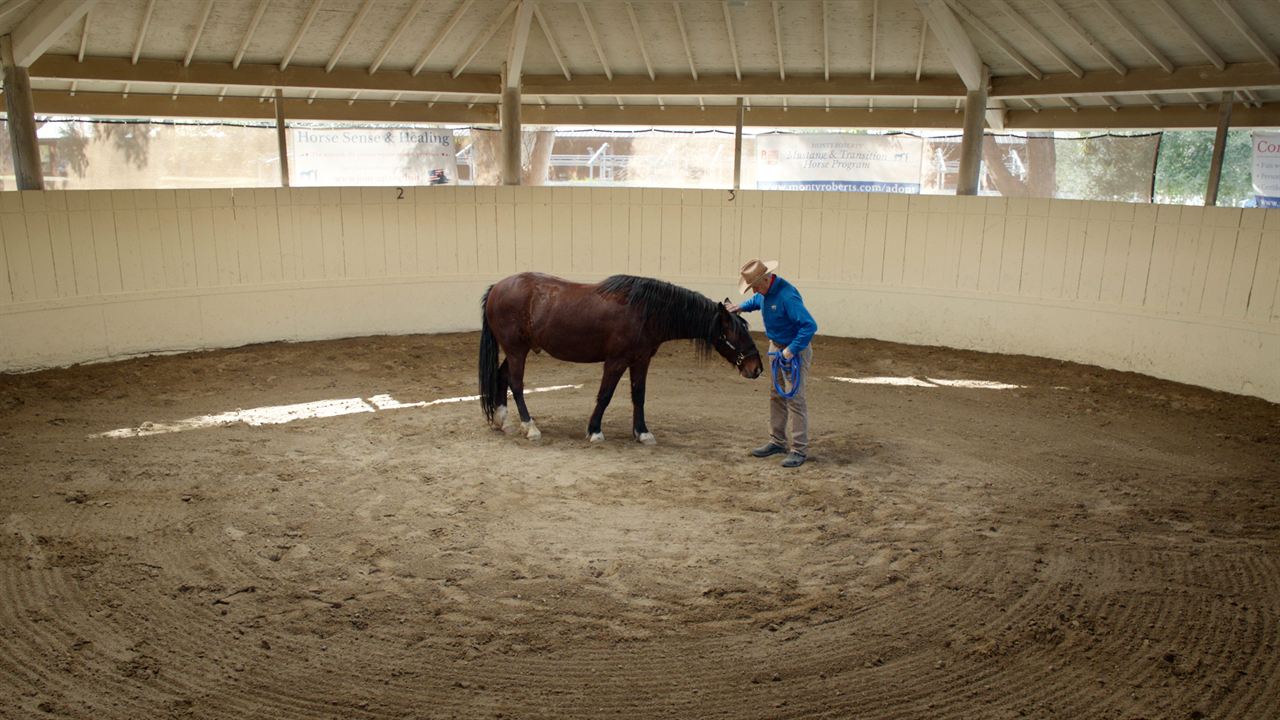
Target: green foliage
[[1105, 167], [1182, 174]]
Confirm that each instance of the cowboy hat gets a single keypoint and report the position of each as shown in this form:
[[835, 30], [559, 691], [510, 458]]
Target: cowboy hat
[[753, 271]]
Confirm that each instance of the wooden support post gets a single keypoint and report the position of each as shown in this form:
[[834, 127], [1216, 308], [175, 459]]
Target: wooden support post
[[510, 135], [737, 149], [22, 120], [282, 139], [1219, 150], [975, 107]]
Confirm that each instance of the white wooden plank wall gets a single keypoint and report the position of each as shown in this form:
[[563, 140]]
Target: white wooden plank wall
[[1202, 262]]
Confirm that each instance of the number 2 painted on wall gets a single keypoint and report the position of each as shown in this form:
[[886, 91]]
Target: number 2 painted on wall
[[400, 196]]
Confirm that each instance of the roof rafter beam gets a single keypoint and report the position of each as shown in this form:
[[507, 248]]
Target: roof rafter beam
[[41, 28], [484, 39], [168, 72], [964, 56], [142, 29], [1191, 33], [1247, 31], [444, 33], [248, 35], [1039, 37], [684, 35], [195, 38], [826, 46], [995, 38], [551, 40], [595, 39], [644, 52], [11, 7], [1107, 56], [1134, 33], [777, 37], [297, 37], [875, 34], [348, 35], [519, 43], [395, 36], [924, 33], [733, 41]]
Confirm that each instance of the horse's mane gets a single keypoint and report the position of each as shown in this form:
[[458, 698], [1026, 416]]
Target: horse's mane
[[672, 310]]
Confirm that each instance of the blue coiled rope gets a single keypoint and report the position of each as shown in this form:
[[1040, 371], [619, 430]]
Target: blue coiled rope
[[785, 370]]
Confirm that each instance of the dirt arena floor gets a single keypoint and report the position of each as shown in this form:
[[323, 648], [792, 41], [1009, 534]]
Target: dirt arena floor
[[1092, 544]]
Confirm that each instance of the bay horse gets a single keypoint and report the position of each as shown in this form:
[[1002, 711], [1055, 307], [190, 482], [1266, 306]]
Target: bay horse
[[620, 321]]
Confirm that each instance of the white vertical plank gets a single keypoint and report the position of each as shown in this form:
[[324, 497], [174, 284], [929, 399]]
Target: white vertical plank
[[671, 236], [1094, 260], [373, 238], [291, 258], [940, 251], [969, 262], [355, 262], [465, 224], [80, 228], [204, 238], [581, 237], [992, 249], [809, 245], [305, 217], [424, 219], [562, 240], [1138, 266], [6, 289], [331, 236], [64, 264], [445, 199], [41, 249], [505, 229], [690, 232], [1266, 275], [1222, 254], [128, 243], [170, 237], [1031, 283], [895, 243], [1115, 264], [790, 241], [603, 243], [544, 243], [915, 241], [186, 238], [1243, 267], [22, 278], [1184, 261], [877, 233], [150, 240], [853, 268], [486, 232], [246, 237], [710, 234], [750, 219], [1012, 249], [831, 259], [524, 229], [635, 231], [1077, 225], [1200, 268], [1164, 246], [406, 233]]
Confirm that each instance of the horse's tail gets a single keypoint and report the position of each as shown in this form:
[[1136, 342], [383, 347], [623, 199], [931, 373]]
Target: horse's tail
[[490, 376]]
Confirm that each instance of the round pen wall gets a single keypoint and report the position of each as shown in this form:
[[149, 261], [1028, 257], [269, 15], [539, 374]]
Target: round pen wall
[[1183, 293]]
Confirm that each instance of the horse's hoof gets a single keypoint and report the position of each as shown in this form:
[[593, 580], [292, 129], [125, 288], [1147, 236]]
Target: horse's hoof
[[500, 417], [596, 437], [531, 431], [647, 438]]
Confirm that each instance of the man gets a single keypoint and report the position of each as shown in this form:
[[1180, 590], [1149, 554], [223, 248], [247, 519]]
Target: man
[[790, 327]]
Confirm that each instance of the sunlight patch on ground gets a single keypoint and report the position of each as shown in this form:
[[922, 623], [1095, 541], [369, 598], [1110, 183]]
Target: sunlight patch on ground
[[280, 414], [929, 382]]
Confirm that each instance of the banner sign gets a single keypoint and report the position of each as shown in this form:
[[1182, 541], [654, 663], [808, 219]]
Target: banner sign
[[401, 156], [1266, 168], [839, 162]]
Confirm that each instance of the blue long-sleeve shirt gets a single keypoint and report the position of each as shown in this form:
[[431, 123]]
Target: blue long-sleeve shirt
[[786, 320]]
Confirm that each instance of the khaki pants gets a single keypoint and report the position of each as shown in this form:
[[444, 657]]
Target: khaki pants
[[794, 409]]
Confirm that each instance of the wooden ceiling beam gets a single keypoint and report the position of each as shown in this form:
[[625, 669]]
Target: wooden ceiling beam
[[733, 41], [644, 52], [1200, 78], [297, 36], [959, 46], [1039, 37], [1247, 31], [684, 36], [1190, 32], [519, 43], [1116, 17], [66, 67], [43, 26], [551, 40], [757, 85], [996, 38], [1138, 117], [485, 37], [595, 39], [412, 13], [1107, 56], [348, 35], [143, 29], [449, 25], [56, 102], [248, 35]]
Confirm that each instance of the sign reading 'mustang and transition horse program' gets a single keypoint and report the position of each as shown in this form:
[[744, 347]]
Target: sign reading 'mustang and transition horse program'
[[1266, 168], [836, 162], [396, 156]]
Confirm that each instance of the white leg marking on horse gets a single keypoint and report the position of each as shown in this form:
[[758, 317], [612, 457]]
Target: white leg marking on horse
[[500, 417], [531, 431], [647, 438], [596, 437]]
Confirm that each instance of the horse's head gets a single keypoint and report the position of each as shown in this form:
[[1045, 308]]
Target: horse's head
[[733, 341]]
